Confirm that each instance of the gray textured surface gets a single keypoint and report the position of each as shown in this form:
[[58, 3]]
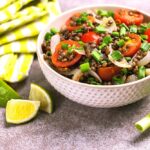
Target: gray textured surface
[[73, 126]]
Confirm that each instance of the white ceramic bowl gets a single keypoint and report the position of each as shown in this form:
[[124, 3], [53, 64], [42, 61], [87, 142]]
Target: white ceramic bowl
[[96, 96]]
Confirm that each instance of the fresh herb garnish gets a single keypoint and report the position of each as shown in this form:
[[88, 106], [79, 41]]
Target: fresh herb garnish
[[116, 55]]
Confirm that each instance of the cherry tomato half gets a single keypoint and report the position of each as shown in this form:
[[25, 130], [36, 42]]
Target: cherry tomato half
[[71, 28], [132, 46], [147, 32], [128, 16], [55, 56], [90, 37], [107, 73]]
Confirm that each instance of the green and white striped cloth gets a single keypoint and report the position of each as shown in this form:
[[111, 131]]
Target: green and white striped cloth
[[18, 66], [20, 21], [22, 46], [5, 3], [7, 13], [26, 31], [18, 45]]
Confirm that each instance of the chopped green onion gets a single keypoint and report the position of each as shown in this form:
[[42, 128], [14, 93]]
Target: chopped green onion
[[116, 55], [90, 24], [83, 18], [125, 26], [145, 46], [102, 46], [121, 43], [54, 31], [47, 36], [79, 30], [64, 46], [105, 13], [133, 29], [117, 80], [142, 29], [141, 72], [143, 124], [96, 55], [85, 67], [107, 40], [100, 29], [115, 34], [124, 71], [143, 37], [122, 31], [128, 58]]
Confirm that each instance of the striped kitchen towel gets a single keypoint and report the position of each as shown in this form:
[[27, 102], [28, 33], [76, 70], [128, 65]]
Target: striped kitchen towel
[[22, 46], [15, 67]]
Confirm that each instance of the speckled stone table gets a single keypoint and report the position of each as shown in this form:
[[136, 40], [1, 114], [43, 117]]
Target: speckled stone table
[[73, 126]]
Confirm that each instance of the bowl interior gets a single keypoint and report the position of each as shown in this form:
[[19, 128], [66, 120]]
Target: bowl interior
[[59, 21]]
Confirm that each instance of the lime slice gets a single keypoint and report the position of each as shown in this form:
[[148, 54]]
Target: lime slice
[[38, 93], [6, 93], [21, 111]]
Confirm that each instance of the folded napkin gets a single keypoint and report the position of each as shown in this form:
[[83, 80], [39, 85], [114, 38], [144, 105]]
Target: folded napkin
[[18, 45], [7, 13], [22, 46], [21, 21], [15, 67], [5, 3]]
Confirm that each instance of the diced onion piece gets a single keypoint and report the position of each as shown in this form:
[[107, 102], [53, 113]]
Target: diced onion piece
[[95, 75], [122, 63], [109, 28], [131, 78], [148, 72], [77, 75], [82, 52], [145, 60], [54, 41]]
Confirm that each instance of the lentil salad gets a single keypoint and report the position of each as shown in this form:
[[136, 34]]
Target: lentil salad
[[100, 47]]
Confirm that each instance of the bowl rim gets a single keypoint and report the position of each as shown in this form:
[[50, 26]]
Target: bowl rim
[[40, 55]]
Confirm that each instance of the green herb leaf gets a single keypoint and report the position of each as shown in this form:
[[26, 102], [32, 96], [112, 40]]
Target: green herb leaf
[[100, 29], [116, 55], [64, 46], [121, 43]]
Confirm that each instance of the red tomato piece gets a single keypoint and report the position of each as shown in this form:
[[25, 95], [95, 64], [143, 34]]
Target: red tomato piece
[[132, 46], [90, 37], [128, 16], [147, 32], [55, 56], [107, 73]]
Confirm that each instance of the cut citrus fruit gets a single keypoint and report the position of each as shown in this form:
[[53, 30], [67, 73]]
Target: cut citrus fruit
[[21, 111], [38, 93], [6, 93]]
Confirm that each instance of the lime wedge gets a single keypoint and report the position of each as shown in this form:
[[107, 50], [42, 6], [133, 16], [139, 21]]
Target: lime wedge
[[38, 93], [6, 93], [21, 111]]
